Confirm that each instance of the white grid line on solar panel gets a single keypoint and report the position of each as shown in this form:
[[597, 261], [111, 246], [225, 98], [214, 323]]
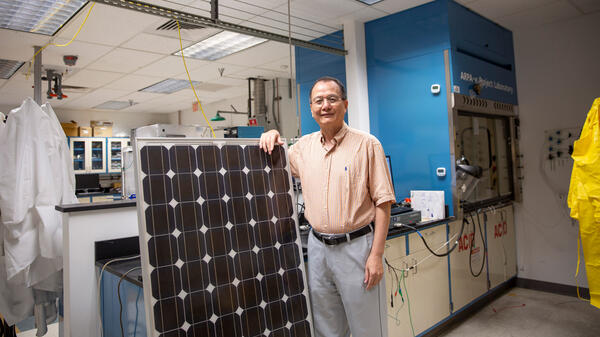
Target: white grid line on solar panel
[[296, 256]]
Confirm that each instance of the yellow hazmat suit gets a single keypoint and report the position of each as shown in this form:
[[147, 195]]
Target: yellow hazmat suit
[[584, 197]]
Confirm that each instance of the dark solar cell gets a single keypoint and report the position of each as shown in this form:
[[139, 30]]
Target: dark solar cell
[[185, 187], [239, 210], [286, 231], [225, 299], [209, 158], [249, 293], [276, 315], [272, 287], [277, 158], [221, 270], [162, 250], [183, 159], [204, 329], [168, 314], [268, 261], [236, 184], [246, 265], [157, 189], [166, 282], [188, 216], [253, 321], [154, 160], [159, 220], [222, 244], [191, 246], [280, 182], [265, 233], [195, 276], [258, 182], [242, 238], [214, 213], [211, 185], [262, 209], [292, 282], [198, 307]]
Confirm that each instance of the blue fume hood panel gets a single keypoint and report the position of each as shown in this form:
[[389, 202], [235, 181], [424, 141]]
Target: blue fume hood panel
[[482, 52], [310, 66], [405, 57]]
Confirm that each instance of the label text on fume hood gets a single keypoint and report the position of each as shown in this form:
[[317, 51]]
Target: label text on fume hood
[[485, 83]]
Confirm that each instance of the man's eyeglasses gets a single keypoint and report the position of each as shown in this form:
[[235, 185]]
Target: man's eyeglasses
[[321, 100]]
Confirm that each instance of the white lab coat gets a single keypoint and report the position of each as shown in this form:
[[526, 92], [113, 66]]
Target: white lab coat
[[36, 175]]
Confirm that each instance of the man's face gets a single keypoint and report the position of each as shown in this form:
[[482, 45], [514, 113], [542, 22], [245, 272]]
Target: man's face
[[327, 107]]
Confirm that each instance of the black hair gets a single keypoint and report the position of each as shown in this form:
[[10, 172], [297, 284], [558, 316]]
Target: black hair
[[329, 79]]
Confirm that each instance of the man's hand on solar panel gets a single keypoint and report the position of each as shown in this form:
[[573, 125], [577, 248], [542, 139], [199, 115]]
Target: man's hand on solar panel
[[269, 139]]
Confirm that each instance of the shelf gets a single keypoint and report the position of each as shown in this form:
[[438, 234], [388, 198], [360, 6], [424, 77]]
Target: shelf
[[116, 159], [78, 160]]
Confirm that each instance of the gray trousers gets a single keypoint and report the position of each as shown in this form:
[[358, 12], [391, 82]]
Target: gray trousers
[[341, 305]]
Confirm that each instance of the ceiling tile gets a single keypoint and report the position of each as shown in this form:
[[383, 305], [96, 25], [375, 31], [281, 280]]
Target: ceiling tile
[[140, 97], [21, 44], [86, 53], [132, 82], [154, 43], [262, 53], [124, 60], [495, 9], [90, 78], [391, 6], [169, 66], [323, 10], [210, 71], [539, 16], [362, 15], [88, 101], [107, 25]]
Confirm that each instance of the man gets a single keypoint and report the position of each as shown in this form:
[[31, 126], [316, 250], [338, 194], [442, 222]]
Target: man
[[347, 192]]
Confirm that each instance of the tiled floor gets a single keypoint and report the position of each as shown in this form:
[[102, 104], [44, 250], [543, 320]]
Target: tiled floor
[[524, 312], [519, 312]]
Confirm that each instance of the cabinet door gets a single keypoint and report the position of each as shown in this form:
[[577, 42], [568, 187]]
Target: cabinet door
[[97, 163], [465, 286], [501, 245], [79, 154], [115, 148]]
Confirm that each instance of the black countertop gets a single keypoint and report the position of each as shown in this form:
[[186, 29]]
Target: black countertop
[[68, 208]]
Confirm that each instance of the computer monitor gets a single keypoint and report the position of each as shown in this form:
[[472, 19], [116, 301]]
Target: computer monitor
[[87, 181]]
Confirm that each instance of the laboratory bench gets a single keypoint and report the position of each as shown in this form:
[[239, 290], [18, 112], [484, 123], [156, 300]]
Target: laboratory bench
[[440, 289]]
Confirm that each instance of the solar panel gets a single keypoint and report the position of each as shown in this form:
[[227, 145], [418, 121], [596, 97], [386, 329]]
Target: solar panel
[[221, 251]]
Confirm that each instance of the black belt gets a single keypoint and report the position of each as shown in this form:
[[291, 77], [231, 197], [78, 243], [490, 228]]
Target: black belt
[[334, 239]]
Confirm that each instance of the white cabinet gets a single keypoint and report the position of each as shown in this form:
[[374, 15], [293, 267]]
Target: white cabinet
[[427, 285], [501, 245], [115, 149], [468, 283], [89, 154]]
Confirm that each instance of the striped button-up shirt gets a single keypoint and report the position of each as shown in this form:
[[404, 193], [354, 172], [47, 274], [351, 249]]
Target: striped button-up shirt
[[341, 186]]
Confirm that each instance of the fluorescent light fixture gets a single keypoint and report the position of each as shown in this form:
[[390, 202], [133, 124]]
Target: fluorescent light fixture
[[168, 86], [115, 105], [8, 68], [369, 2], [42, 17], [220, 45]]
